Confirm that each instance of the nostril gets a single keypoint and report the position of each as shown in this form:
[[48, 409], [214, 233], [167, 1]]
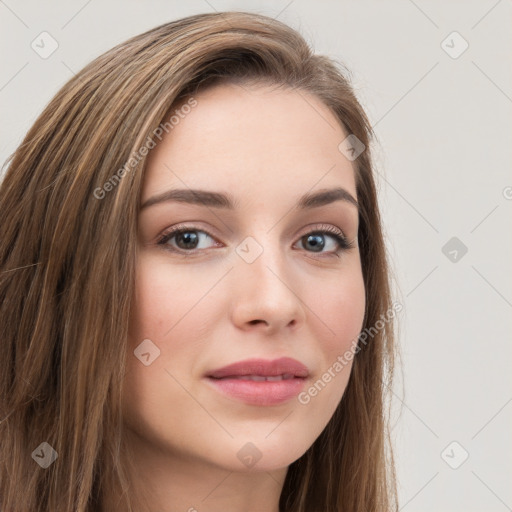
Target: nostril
[[252, 322]]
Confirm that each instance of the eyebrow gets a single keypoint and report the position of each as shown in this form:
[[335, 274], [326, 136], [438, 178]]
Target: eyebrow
[[226, 201]]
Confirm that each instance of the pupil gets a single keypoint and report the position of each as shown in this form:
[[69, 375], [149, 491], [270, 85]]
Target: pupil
[[316, 241]]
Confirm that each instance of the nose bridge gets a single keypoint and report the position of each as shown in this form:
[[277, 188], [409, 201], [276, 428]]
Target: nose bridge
[[265, 288], [261, 258]]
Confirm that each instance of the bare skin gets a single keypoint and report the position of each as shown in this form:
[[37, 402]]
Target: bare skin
[[265, 147]]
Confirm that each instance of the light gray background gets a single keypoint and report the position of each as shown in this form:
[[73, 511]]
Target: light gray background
[[443, 159]]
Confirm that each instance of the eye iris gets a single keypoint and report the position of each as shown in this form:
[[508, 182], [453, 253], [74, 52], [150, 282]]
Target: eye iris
[[316, 241], [190, 239]]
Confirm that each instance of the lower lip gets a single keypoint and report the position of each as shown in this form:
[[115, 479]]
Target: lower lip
[[260, 392]]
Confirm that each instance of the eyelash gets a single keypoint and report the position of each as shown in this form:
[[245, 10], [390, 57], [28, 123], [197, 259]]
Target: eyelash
[[335, 233]]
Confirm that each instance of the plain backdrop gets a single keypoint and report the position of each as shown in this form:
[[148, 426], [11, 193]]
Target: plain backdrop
[[435, 78]]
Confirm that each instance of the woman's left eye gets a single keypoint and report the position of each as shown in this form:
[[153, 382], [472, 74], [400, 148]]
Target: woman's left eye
[[188, 238], [316, 240]]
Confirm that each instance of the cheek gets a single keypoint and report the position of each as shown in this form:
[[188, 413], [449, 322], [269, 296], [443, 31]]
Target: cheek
[[164, 311], [339, 313], [172, 310], [164, 298], [342, 308]]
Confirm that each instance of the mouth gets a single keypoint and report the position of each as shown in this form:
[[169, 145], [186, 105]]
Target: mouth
[[260, 382], [259, 378], [284, 367]]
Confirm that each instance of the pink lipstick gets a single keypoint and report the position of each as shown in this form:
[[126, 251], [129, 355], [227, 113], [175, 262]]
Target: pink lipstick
[[259, 381]]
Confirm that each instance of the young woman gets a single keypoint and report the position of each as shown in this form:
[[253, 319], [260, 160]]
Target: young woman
[[194, 291]]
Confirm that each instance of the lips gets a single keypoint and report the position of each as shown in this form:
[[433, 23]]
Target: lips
[[260, 369], [260, 382], [262, 378]]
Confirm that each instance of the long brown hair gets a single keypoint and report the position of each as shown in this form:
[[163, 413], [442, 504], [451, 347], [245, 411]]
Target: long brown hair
[[69, 205]]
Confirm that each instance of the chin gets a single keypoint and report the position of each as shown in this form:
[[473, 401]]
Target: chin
[[267, 456]]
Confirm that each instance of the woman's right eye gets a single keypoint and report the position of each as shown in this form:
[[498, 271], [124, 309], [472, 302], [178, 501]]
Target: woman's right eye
[[187, 239]]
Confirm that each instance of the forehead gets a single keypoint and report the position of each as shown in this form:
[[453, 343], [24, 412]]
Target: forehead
[[251, 139]]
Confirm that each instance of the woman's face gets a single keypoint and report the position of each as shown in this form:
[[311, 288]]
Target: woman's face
[[241, 283]]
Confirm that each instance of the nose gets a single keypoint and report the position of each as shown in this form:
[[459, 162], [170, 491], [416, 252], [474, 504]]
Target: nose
[[264, 295]]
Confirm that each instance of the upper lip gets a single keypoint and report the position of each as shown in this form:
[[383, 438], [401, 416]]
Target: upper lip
[[263, 367]]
